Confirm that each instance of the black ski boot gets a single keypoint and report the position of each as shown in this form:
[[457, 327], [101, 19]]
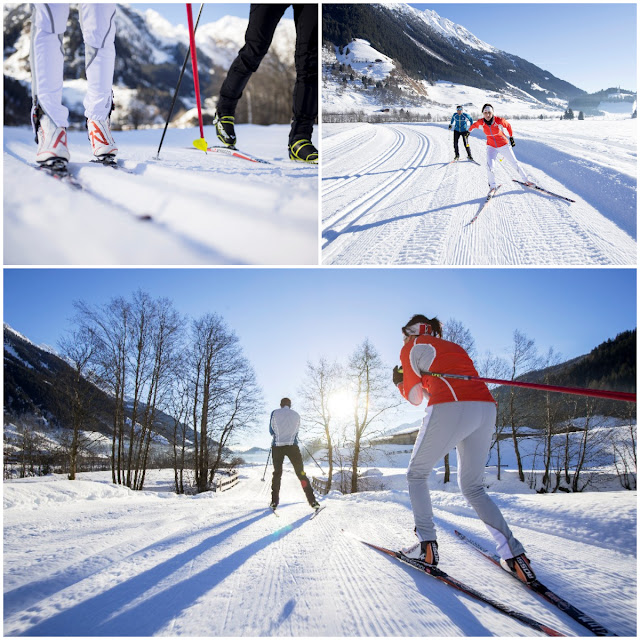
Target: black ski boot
[[303, 151], [520, 566], [225, 129]]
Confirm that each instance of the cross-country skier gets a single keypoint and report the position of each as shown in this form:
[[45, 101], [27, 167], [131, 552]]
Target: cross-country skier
[[460, 413], [284, 426], [460, 122], [498, 142], [263, 20], [49, 116]]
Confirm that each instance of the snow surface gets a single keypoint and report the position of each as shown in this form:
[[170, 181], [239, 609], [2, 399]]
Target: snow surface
[[389, 196], [206, 209], [366, 60], [86, 558]]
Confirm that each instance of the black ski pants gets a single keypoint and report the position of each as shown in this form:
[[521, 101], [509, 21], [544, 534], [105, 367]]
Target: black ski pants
[[465, 139], [291, 451], [263, 20]]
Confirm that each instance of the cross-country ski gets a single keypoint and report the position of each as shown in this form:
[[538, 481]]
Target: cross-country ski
[[537, 587], [437, 573]]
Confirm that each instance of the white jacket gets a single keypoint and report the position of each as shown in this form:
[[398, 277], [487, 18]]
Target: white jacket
[[284, 426]]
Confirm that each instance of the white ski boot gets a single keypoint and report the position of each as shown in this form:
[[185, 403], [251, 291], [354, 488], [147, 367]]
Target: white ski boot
[[102, 143], [52, 140]]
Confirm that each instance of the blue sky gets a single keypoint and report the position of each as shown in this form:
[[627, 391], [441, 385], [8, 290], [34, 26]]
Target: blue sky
[[285, 317], [593, 46]]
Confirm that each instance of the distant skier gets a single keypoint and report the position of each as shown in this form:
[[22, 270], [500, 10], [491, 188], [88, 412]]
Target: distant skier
[[498, 142], [283, 426], [50, 118], [460, 413], [263, 20], [460, 122]]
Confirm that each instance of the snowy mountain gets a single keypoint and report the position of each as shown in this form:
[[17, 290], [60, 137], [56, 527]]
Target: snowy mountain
[[35, 391], [423, 49], [149, 55]]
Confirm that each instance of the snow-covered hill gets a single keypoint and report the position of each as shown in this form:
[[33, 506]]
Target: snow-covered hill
[[150, 52], [86, 558], [389, 196], [419, 51], [206, 209]]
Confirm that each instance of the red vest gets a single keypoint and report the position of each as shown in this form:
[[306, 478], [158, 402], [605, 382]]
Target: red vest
[[449, 358]]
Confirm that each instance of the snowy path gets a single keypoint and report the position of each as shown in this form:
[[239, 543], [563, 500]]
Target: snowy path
[[87, 558], [389, 196], [206, 209]]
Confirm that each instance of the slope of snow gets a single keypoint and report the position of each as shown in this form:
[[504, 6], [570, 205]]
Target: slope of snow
[[390, 197], [364, 59], [206, 209], [86, 558], [454, 31]]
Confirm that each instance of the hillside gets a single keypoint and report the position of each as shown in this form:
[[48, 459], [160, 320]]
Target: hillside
[[427, 48], [37, 388], [149, 56]]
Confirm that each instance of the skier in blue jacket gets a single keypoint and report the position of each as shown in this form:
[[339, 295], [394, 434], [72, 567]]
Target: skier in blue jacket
[[460, 122]]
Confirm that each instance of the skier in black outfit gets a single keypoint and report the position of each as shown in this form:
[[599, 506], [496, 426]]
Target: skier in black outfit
[[283, 426], [263, 20]]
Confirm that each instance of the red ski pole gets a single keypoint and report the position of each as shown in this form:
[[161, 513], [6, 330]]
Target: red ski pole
[[596, 393], [201, 143]]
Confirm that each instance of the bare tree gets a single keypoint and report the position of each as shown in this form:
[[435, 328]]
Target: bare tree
[[369, 379], [321, 381], [78, 349], [551, 417], [522, 359], [224, 395], [492, 366], [625, 450]]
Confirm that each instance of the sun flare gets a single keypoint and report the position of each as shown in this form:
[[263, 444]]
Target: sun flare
[[341, 404]]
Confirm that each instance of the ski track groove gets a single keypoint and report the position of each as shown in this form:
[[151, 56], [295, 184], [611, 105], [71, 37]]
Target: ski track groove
[[361, 210], [362, 225]]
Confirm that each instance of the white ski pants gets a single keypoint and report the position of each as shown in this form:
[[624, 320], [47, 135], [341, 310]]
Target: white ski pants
[[506, 152], [469, 427], [49, 22]]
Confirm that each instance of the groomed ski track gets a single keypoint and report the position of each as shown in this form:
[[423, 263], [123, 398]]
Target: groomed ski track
[[205, 208], [390, 196], [86, 558]]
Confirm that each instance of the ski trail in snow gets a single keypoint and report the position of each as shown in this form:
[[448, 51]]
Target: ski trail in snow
[[389, 197], [206, 208]]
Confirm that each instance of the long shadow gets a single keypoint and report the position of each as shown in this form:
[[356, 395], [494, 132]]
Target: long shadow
[[446, 599], [330, 235], [609, 191], [29, 594], [103, 615]]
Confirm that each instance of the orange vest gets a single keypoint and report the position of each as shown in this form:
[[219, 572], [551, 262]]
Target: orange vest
[[496, 136], [449, 358]]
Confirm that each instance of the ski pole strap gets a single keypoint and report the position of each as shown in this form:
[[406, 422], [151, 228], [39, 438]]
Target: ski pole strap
[[594, 393]]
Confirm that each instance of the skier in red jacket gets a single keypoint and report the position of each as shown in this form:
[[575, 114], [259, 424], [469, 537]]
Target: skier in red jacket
[[498, 142], [459, 414]]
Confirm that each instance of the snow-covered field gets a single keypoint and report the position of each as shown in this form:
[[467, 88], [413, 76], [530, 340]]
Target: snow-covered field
[[206, 209], [86, 558], [389, 196]]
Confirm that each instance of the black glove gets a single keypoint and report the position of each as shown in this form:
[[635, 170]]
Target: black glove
[[512, 141], [449, 126], [398, 375]]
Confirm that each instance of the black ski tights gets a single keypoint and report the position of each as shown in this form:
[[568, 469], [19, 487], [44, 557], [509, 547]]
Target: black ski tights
[[263, 20]]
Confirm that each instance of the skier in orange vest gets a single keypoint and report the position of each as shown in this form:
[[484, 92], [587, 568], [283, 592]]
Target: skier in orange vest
[[494, 128], [459, 414]]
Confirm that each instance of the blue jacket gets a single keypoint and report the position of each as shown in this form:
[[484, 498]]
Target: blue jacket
[[461, 123]]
